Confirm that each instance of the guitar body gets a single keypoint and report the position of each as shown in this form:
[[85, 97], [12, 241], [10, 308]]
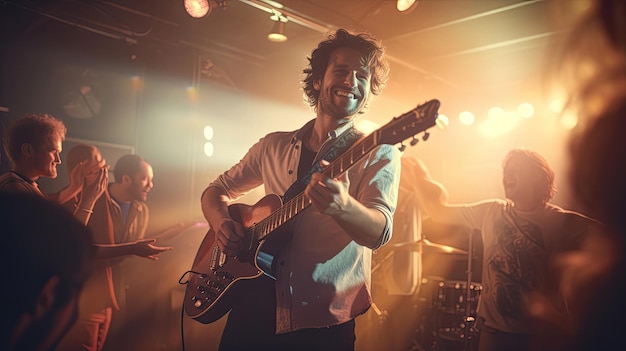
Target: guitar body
[[216, 279]]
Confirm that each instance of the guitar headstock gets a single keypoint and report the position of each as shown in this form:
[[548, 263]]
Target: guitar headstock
[[411, 123]]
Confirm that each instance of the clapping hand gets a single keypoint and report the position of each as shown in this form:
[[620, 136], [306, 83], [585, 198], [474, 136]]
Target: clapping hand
[[95, 180]]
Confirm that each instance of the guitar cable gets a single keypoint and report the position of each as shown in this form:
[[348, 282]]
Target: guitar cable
[[182, 323], [181, 281], [182, 310]]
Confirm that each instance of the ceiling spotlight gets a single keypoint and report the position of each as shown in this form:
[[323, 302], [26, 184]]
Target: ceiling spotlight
[[406, 6], [277, 33], [202, 8], [197, 8]]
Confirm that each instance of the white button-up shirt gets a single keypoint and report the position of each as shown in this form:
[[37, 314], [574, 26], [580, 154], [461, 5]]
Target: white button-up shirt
[[323, 277]]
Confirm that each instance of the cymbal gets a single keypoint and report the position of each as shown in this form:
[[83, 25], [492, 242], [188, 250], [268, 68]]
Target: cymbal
[[425, 246]]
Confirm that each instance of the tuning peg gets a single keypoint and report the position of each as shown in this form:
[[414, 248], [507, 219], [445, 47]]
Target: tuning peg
[[402, 147], [426, 136], [414, 141]]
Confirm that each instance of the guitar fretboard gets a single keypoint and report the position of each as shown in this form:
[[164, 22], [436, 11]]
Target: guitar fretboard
[[299, 202]]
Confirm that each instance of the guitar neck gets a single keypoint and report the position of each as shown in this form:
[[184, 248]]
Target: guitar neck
[[398, 129], [299, 202]]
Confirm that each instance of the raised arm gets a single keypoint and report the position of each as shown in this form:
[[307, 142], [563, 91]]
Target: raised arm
[[433, 196], [77, 178], [92, 190]]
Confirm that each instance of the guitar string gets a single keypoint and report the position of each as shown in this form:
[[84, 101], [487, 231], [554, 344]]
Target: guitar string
[[280, 216], [298, 202]]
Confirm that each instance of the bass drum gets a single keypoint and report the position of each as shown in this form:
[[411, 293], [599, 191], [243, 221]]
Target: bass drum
[[453, 296], [454, 324]]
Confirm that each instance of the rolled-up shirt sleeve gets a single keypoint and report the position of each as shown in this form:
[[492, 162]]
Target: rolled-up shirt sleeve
[[379, 184]]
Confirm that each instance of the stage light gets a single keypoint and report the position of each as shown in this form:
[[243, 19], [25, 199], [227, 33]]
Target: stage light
[[277, 33], [406, 6], [209, 149], [442, 121], [208, 132], [525, 110], [569, 120], [198, 8], [495, 113], [467, 118], [202, 8], [557, 104]]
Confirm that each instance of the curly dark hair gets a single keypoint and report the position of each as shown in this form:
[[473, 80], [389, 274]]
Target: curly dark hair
[[370, 47]]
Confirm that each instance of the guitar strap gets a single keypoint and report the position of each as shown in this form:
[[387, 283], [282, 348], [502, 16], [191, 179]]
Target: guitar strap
[[338, 147]]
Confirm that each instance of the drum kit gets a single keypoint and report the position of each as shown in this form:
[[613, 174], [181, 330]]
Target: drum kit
[[447, 323]]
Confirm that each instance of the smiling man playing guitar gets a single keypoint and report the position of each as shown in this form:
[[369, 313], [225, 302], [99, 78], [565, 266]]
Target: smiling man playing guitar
[[317, 275]]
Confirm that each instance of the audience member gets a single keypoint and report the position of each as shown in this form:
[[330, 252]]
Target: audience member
[[520, 235], [99, 298], [130, 215], [33, 144], [133, 182], [46, 256]]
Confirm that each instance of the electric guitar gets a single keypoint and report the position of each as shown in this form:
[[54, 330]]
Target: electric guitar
[[214, 280]]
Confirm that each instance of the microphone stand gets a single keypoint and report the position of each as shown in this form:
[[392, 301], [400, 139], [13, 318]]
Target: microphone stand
[[381, 314], [468, 319]]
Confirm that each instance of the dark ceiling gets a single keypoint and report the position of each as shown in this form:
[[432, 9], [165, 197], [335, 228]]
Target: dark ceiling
[[462, 51]]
